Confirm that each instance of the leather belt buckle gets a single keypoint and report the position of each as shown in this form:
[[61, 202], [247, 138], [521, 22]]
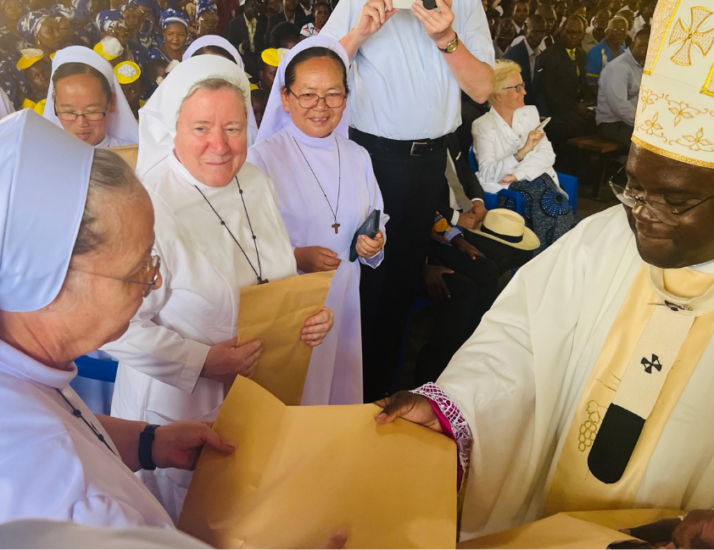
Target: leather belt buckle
[[420, 148]]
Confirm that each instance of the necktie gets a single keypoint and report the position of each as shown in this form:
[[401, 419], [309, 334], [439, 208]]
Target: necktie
[[571, 54]]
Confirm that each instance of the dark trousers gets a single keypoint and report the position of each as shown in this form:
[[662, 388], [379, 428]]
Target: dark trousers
[[411, 187], [472, 289], [617, 131]]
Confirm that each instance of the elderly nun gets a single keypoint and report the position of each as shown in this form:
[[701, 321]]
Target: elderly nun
[[218, 229], [212, 44], [76, 261], [325, 188], [86, 100]]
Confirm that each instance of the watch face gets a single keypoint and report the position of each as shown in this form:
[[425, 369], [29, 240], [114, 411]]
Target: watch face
[[452, 46]]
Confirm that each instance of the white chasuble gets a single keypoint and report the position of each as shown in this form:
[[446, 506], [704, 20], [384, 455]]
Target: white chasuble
[[522, 381], [302, 168], [162, 353]]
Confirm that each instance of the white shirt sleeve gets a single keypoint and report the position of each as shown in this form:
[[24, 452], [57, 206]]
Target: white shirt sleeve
[[475, 35], [158, 351]]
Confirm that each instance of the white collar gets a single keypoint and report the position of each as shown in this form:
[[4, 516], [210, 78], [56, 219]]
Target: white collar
[[17, 364]]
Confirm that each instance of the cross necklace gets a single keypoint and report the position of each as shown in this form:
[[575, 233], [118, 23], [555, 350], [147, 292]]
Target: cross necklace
[[336, 225]]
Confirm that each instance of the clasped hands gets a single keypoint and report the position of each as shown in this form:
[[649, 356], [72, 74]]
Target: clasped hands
[[437, 22]]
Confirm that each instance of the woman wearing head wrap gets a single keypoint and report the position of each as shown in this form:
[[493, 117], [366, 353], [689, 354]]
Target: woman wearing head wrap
[[206, 17], [76, 262], [218, 229], [36, 71], [174, 30], [325, 188], [133, 19], [85, 99], [64, 17], [85, 32], [39, 28], [11, 42], [217, 45], [149, 34]]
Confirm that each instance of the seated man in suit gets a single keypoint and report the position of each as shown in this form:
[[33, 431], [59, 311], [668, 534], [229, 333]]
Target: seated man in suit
[[526, 54], [246, 32], [568, 97]]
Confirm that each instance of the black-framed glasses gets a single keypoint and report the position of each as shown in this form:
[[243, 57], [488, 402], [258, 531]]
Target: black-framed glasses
[[664, 212], [518, 87], [154, 264], [69, 116], [310, 101]]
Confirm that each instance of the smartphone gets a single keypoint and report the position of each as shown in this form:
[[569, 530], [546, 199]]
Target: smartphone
[[407, 4], [543, 124]]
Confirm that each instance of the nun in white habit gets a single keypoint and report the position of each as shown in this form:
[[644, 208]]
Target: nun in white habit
[[64, 293], [326, 188], [218, 229], [85, 98], [209, 45]]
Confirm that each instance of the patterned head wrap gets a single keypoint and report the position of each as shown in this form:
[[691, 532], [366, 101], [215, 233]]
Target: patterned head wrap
[[29, 25], [173, 16], [204, 6], [59, 10], [108, 20], [82, 8]]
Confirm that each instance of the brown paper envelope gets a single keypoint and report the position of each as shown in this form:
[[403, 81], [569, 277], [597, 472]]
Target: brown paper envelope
[[594, 529], [128, 153], [276, 312], [299, 473]]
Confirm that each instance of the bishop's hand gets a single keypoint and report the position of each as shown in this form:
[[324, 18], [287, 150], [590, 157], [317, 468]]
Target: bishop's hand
[[409, 406]]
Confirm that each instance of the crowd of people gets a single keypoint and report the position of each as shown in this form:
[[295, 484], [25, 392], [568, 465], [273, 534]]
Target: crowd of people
[[266, 133]]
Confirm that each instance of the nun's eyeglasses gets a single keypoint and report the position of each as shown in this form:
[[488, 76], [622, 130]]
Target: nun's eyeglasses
[[154, 264], [310, 101], [69, 116]]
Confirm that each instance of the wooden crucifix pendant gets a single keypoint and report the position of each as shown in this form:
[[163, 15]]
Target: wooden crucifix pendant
[[336, 226]]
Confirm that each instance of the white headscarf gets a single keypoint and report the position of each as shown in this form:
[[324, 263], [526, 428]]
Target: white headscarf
[[157, 119], [275, 117], [121, 123], [41, 206], [215, 40]]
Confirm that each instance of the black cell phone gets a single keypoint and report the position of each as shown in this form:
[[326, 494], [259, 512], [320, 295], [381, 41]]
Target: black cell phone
[[430, 4]]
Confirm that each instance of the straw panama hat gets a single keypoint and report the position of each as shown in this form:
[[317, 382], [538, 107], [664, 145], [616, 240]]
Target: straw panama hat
[[507, 227]]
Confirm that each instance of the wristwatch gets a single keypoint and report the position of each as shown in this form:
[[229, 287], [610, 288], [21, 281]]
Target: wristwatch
[[146, 440], [451, 46]]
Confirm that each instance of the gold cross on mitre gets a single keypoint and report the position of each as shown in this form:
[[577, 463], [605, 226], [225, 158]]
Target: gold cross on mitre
[[692, 36]]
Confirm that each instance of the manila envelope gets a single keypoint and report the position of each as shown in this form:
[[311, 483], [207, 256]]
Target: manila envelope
[[300, 473], [276, 312], [595, 529], [128, 153]]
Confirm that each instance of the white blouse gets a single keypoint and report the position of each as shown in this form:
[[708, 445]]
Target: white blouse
[[495, 143]]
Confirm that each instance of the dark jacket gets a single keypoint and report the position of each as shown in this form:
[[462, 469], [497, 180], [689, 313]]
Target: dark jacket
[[300, 20], [468, 180], [563, 87], [238, 32], [519, 54]]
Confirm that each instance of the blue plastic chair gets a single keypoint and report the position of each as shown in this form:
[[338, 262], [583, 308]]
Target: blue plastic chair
[[96, 369], [567, 182]]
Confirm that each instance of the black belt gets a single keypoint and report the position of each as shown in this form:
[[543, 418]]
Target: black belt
[[418, 148]]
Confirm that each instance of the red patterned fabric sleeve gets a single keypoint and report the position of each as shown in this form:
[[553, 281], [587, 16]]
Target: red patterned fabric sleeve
[[452, 421]]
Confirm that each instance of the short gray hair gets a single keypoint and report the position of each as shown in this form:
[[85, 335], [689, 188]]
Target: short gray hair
[[213, 83], [109, 174]]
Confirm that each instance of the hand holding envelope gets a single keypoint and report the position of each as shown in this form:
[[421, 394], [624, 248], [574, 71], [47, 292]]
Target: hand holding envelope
[[300, 473]]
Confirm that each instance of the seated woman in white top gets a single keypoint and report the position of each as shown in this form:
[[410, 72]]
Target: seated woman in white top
[[325, 188], [513, 154], [86, 100], [218, 229], [71, 281]]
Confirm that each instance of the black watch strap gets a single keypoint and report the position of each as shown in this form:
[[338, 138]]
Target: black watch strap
[[146, 440]]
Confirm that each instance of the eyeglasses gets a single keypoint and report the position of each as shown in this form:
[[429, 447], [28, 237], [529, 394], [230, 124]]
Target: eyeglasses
[[154, 264], [518, 87], [69, 116], [664, 212], [310, 101]]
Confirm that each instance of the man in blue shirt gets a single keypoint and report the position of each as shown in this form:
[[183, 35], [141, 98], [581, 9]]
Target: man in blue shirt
[[409, 67], [608, 49], [618, 92]]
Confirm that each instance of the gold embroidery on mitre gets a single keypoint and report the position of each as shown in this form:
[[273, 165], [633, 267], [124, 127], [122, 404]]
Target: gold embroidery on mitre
[[692, 36], [648, 97], [652, 128], [682, 110], [695, 142], [588, 429], [661, 23], [708, 88], [670, 154]]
